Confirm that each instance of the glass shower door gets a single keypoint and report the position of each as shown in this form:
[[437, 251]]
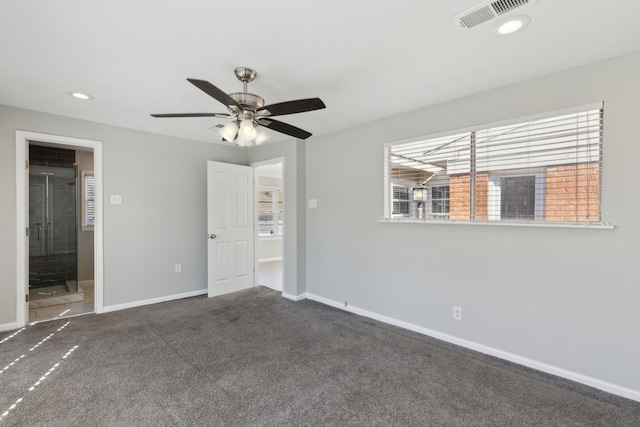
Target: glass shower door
[[53, 261]]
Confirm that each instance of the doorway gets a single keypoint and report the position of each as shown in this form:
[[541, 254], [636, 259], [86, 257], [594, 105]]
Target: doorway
[[60, 271], [47, 243], [270, 217]]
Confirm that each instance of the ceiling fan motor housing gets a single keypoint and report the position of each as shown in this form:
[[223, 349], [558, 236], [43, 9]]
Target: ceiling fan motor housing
[[248, 101]]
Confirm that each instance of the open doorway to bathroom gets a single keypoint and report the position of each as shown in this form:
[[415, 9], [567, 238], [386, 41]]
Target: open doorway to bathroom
[[61, 213], [270, 227]]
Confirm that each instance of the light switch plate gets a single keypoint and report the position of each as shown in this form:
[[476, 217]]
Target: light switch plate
[[313, 203], [116, 199]]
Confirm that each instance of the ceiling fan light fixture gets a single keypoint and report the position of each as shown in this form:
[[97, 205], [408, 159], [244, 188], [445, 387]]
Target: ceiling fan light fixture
[[241, 141], [261, 136], [229, 131], [247, 130]]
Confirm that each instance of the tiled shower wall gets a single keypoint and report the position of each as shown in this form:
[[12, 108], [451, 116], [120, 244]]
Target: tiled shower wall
[[53, 260]]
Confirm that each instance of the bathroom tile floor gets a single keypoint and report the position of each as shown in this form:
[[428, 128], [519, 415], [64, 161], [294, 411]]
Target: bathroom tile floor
[[65, 310]]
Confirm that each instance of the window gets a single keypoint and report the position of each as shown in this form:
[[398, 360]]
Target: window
[[518, 199], [440, 202], [546, 169], [270, 212], [400, 201], [88, 200]]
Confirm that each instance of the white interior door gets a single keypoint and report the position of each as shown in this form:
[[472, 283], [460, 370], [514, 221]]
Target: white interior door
[[230, 223]]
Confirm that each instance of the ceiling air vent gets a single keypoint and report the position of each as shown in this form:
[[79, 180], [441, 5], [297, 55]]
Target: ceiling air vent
[[487, 11]]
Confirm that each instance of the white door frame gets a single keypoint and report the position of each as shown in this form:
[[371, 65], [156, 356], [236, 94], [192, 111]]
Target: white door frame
[[22, 214], [255, 234]]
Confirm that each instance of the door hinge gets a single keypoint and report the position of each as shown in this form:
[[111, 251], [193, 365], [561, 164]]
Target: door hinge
[[26, 164], [27, 298], [27, 231]]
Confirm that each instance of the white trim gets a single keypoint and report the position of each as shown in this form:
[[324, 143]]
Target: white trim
[[598, 226], [8, 327], [22, 220], [295, 297], [118, 307], [520, 360], [277, 258], [22, 147]]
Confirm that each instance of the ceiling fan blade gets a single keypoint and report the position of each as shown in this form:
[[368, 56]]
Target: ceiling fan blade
[[292, 107], [219, 115], [214, 92], [284, 128]]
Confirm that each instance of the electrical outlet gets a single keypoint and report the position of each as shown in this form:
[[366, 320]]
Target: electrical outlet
[[457, 314], [178, 268]]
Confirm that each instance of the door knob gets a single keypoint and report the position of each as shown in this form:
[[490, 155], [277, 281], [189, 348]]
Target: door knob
[[212, 236]]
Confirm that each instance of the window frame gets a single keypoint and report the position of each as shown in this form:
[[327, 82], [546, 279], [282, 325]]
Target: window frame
[[602, 224]]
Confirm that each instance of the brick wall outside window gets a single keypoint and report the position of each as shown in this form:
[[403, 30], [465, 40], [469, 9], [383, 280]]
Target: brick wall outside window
[[459, 194], [573, 192]]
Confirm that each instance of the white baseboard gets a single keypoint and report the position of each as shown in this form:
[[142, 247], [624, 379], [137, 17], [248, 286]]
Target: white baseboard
[[8, 327], [295, 297], [540, 366], [133, 304]]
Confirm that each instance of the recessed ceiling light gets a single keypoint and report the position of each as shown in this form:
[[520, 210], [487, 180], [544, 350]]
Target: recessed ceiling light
[[82, 96], [513, 25]]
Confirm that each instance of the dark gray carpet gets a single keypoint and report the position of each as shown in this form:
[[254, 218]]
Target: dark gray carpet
[[256, 359]]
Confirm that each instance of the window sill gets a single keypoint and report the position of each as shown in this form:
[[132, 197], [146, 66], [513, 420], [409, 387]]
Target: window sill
[[599, 226], [269, 237]]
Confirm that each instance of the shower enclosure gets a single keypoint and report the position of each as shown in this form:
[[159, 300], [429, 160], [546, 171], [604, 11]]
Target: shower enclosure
[[53, 255]]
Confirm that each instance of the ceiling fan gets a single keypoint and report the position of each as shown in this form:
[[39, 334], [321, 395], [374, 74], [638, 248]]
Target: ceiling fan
[[248, 112]]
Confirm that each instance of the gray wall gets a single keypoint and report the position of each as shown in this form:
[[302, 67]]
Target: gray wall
[[565, 297], [162, 219]]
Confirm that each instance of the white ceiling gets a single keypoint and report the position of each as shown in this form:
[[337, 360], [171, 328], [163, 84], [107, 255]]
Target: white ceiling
[[365, 59]]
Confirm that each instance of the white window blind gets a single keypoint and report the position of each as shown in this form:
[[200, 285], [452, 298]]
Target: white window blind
[[542, 170], [88, 199], [270, 212]]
